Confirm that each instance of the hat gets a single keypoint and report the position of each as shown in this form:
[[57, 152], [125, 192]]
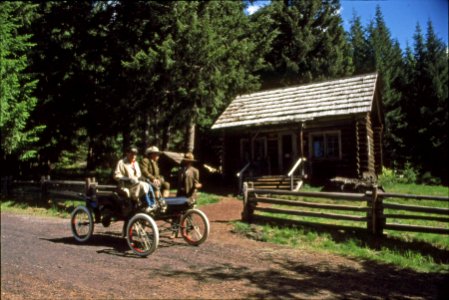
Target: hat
[[152, 149], [189, 157], [132, 149]]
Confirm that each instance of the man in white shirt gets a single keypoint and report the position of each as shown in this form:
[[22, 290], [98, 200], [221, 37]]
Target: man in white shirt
[[127, 174]]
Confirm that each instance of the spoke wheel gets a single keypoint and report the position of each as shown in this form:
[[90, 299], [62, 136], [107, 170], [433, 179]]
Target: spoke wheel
[[195, 227], [142, 234], [82, 224]]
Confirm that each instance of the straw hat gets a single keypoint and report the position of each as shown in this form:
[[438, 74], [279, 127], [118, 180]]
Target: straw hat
[[189, 157], [152, 149]]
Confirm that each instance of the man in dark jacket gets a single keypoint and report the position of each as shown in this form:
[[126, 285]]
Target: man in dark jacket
[[150, 170], [188, 178]]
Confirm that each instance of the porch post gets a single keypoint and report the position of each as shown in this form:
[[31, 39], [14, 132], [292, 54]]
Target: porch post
[[301, 141]]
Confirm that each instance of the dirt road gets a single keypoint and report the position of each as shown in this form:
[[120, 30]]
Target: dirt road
[[40, 259]]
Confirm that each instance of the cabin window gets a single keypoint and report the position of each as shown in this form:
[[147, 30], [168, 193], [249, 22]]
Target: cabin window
[[325, 145]]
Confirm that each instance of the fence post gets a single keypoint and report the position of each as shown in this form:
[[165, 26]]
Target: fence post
[[44, 188], [6, 186], [379, 213], [375, 214], [91, 188], [247, 213], [369, 212]]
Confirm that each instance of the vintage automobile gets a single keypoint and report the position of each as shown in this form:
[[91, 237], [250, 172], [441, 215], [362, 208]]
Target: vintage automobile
[[176, 215]]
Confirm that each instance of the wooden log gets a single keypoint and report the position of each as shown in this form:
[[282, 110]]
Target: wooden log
[[305, 223], [65, 195], [416, 217], [343, 196], [65, 182], [26, 182], [424, 209], [105, 193], [415, 228], [107, 187], [311, 214], [308, 204], [417, 197]]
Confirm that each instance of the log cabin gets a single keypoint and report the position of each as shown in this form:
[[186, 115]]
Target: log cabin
[[335, 126]]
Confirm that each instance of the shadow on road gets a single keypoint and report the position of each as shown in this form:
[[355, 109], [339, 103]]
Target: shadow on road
[[287, 279], [115, 244]]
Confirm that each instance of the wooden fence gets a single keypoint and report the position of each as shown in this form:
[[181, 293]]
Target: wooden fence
[[56, 190], [369, 210]]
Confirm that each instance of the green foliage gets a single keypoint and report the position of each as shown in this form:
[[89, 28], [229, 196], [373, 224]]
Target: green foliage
[[414, 93], [146, 72], [17, 84], [408, 175], [191, 82], [387, 177], [310, 45]]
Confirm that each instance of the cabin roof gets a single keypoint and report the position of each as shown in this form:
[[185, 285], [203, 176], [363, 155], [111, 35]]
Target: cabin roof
[[301, 103]]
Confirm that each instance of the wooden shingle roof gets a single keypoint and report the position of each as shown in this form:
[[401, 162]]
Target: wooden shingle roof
[[300, 103]]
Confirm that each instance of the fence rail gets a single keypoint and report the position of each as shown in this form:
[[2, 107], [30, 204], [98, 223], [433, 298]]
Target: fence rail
[[56, 190], [373, 210]]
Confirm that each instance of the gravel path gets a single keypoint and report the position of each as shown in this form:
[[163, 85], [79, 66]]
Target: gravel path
[[40, 260]]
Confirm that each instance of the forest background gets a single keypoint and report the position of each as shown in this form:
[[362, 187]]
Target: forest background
[[81, 81]]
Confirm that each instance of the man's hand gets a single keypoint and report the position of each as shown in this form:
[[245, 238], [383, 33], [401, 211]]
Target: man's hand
[[157, 182]]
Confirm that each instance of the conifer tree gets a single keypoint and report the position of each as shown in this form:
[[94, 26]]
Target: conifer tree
[[430, 88], [311, 43], [198, 63], [17, 84], [360, 53], [387, 59]]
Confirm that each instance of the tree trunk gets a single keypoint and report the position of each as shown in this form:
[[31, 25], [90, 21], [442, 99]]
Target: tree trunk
[[146, 130], [166, 137], [190, 137], [90, 155]]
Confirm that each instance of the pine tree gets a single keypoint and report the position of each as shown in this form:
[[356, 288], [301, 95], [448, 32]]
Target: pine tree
[[431, 86], [197, 64], [17, 84], [311, 43], [360, 54], [387, 59]]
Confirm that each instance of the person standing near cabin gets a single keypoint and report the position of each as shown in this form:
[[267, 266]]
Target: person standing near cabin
[[188, 177], [151, 171], [127, 173]]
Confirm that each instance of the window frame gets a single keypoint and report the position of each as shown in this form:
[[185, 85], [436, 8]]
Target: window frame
[[324, 135]]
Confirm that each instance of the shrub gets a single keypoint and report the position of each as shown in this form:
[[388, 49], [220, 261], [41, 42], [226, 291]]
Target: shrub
[[391, 176], [427, 178], [408, 175], [387, 177]]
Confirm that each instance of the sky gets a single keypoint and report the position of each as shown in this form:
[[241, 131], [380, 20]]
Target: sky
[[400, 16]]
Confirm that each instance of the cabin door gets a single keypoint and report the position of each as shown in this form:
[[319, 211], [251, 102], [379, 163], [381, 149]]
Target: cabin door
[[287, 151]]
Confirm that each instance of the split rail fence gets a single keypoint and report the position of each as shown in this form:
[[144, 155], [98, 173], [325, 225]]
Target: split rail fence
[[371, 211], [56, 190]]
